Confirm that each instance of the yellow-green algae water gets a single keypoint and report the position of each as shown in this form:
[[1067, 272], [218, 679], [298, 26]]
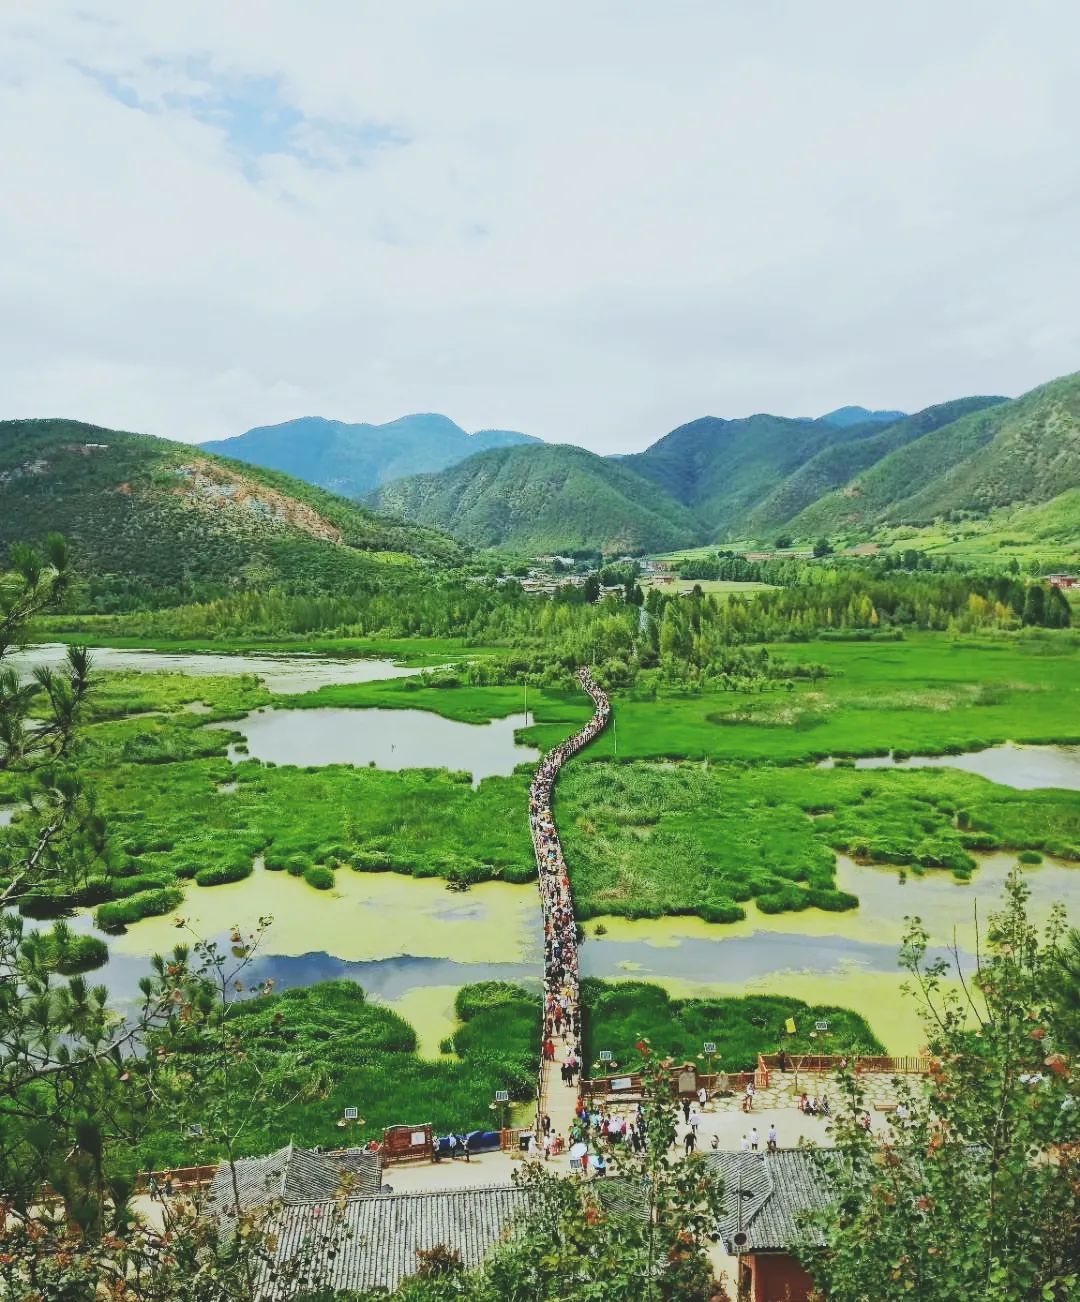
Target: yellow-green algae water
[[409, 941], [412, 943], [884, 900], [846, 959], [365, 917]]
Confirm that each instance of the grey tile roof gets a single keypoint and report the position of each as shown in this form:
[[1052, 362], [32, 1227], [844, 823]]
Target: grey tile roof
[[382, 1235], [294, 1175], [768, 1196]]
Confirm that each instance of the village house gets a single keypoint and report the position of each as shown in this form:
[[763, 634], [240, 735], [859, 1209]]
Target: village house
[[769, 1202]]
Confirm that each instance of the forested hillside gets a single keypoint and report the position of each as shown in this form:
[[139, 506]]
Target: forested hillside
[[153, 522], [838, 464], [543, 498], [355, 459], [716, 480], [721, 469], [1023, 452]]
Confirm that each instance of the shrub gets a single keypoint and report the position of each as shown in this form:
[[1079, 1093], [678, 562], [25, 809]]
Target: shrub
[[95, 890], [39, 904], [234, 870], [298, 864], [721, 911], [122, 887], [82, 954], [116, 915], [1030, 856], [319, 876]]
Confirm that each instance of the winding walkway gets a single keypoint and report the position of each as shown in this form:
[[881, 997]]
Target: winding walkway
[[562, 990]]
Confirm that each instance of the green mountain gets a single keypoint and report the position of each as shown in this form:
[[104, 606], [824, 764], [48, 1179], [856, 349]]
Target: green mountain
[[837, 465], [1026, 451], [155, 522], [354, 460], [844, 416], [722, 469], [550, 497]]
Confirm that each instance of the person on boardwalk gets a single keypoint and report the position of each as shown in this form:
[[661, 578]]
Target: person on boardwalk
[[562, 991]]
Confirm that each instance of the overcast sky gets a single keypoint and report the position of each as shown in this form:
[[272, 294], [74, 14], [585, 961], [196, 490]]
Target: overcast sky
[[590, 220]]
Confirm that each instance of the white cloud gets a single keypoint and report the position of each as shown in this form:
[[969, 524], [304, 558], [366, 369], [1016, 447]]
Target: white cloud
[[592, 222]]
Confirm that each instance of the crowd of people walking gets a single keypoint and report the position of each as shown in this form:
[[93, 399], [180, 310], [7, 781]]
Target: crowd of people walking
[[562, 990]]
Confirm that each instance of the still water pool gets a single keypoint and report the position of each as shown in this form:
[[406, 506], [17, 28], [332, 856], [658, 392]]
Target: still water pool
[[387, 739], [287, 674], [1021, 767]]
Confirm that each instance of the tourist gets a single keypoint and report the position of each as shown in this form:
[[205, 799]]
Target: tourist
[[168, 1187], [600, 1164], [686, 1110], [545, 1124], [548, 1141], [744, 1144], [694, 1118], [754, 1141], [690, 1140], [702, 1097], [715, 1142], [153, 1187], [772, 1138]]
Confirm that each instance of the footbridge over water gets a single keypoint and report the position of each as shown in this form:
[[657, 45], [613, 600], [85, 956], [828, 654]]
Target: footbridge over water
[[561, 1029]]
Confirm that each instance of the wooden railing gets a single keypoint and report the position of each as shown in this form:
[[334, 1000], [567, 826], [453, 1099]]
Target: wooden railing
[[632, 1086], [183, 1177], [912, 1065]]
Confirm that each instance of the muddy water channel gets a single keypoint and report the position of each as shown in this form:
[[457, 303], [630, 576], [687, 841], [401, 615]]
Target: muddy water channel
[[387, 739], [1021, 767]]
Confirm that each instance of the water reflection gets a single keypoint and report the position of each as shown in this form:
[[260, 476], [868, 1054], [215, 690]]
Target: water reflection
[[1024, 768], [385, 738], [288, 674]]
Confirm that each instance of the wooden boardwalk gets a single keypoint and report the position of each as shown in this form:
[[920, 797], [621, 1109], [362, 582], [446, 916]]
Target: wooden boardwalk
[[562, 992]]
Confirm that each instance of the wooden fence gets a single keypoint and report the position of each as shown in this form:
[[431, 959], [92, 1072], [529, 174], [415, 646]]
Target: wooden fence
[[682, 1081], [183, 1177], [407, 1144], [824, 1062]]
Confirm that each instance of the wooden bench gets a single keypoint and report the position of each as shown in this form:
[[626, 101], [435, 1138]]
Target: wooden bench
[[886, 1107]]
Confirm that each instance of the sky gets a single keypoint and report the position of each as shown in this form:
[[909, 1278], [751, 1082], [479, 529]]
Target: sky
[[591, 221]]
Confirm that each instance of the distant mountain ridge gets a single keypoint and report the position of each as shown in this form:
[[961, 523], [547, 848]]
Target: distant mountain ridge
[[714, 480], [843, 416], [356, 459]]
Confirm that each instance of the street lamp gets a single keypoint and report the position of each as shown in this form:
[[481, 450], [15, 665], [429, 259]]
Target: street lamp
[[502, 1100], [350, 1117]]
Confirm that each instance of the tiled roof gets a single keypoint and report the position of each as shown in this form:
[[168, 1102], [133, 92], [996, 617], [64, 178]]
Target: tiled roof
[[294, 1175], [382, 1235], [768, 1197]]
